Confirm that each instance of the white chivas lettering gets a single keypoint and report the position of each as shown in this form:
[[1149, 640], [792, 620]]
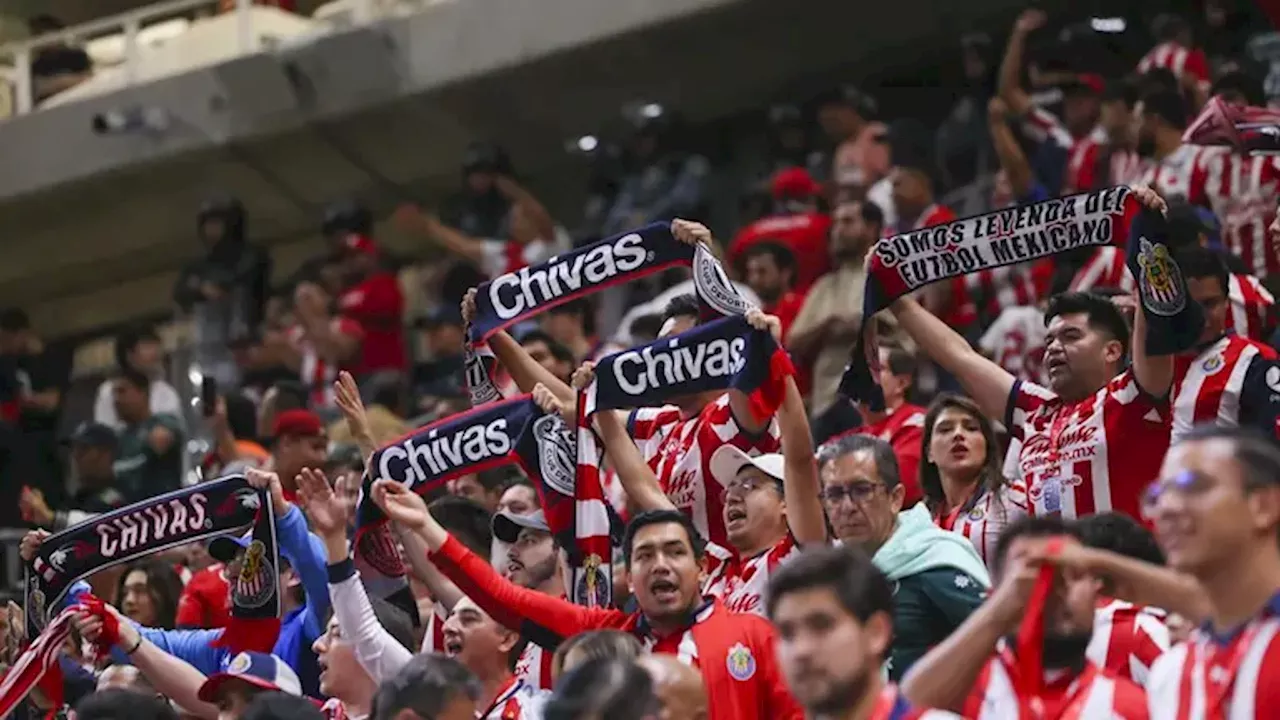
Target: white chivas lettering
[[638, 371], [417, 460], [514, 293], [151, 525]]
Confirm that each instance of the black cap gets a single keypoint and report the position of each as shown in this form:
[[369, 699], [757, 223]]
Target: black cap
[[507, 525], [94, 435]]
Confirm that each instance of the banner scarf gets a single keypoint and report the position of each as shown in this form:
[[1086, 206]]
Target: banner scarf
[[727, 353], [1029, 681], [523, 294], [903, 264], [510, 431], [1246, 129], [225, 506]]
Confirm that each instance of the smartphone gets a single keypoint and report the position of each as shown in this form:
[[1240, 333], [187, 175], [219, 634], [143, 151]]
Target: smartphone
[[208, 395]]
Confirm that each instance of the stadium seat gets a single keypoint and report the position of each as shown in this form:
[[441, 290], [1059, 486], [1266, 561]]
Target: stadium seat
[[110, 49]]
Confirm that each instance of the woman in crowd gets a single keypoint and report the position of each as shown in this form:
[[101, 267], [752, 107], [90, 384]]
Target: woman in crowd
[[148, 594], [960, 474]]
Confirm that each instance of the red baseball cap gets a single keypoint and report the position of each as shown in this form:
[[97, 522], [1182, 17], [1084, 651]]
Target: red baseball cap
[[361, 244], [794, 182], [302, 423]]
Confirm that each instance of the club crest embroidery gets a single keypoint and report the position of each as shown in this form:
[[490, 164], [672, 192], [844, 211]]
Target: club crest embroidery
[[557, 457], [479, 386], [378, 548], [1160, 285], [714, 286], [1213, 363], [257, 580], [976, 514], [593, 589], [741, 663], [239, 664]]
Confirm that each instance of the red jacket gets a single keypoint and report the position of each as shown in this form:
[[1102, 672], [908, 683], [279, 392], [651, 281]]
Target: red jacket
[[804, 234], [734, 651]]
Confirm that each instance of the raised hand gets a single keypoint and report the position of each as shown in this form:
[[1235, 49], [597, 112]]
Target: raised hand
[[760, 320], [584, 375], [690, 232], [1149, 198], [1030, 20], [30, 544], [266, 480], [325, 509], [469, 306], [347, 395], [401, 504], [547, 400]]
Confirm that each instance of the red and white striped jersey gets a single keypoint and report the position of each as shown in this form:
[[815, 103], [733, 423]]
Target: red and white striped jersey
[[1207, 678], [1016, 342], [1041, 126], [533, 666], [1206, 388], [516, 701], [740, 582], [1179, 60], [1183, 173], [1070, 460], [679, 450], [985, 516], [315, 372], [1106, 268], [1127, 639], [1093, 693], [1085, 170], [1243, 191], [1249, 313]]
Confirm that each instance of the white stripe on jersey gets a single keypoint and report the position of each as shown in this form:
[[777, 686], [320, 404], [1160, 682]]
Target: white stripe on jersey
[[1183, 672], [1209, 390]]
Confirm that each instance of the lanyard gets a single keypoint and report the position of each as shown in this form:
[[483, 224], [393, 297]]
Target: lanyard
[[504, 698], [1216, 693]]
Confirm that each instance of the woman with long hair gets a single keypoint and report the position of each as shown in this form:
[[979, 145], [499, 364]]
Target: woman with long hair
[[148, 594], [960, 474]]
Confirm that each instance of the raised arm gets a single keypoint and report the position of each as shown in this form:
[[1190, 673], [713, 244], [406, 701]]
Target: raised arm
[[1010, 80], [986, 382], [526, 371], [800, 486], [1012, 159], [413, 219], [1153, 373]]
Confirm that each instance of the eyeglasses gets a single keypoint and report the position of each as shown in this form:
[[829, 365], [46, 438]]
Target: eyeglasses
[[858, 492], [748, 484], [1186, 483]]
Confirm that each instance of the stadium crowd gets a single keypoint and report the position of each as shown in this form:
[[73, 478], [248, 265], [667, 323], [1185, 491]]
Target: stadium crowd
[[1060, 498]]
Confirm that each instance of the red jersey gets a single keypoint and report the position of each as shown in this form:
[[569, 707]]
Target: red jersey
[[733, 651], [740, 582], [517, 700], [377, 304], [1250, 313], [891, 705], [1106, 268], [1243, 191], [1179, 60], [679, 450], [1070, 459], [985, 515], [786, 309], [1127, 639], [805, 234], [205, 601], [1211, 678], [1093, 693], [1093, 165], [316, 373], [1206, 387], [903, 429]]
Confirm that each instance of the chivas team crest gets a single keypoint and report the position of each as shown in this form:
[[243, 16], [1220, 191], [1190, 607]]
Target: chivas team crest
[[593, 588], [1160, 282], [256, 583]]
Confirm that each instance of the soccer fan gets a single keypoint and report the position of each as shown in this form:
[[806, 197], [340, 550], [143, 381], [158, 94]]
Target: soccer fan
[[677, 440], [1175, 51], [900, 423], [1127, 637], [429, 686], [595, 645], [490, 650], [980, 673], [663, 555], [770, 501], [960, 475], [1068, 431], [939, 578], [1216, 513], [573, 325], [299, 441], [677, 686], [1209, 380], [604, 688], [319, 345], [834, 614], [1160, 117], [119, 703], [375, 302], [770, 272], [797, 224]]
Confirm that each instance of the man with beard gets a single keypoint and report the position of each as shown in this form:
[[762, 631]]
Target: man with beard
[[1071, 431], [834, 614], [677, 440], [980, 670], [939, 579], [826, 328], [663, 555], [1159, 119]]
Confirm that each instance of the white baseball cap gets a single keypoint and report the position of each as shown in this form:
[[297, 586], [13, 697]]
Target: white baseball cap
[[727, 461], [265, 671]]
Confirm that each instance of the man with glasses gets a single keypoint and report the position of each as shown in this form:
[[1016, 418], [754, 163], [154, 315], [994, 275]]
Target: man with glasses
[[937, 577]]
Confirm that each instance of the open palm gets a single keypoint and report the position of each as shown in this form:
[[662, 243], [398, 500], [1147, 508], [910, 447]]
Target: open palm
[[400, 503], [325, 509]]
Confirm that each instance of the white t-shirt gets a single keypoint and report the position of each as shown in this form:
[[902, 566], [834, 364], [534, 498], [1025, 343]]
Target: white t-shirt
[[164, 401]]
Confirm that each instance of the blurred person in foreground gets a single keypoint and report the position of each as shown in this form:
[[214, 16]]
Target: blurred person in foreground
[[603, 688], [595, 645], [677, 686], [834, 614], [977, 669], [938, 576], [663, 555], [429, 687], [120, 704]]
